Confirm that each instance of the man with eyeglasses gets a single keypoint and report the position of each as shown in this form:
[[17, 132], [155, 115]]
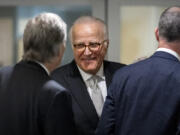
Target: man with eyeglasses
[[89, 75]]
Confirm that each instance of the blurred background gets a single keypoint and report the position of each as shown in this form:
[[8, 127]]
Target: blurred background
[[131, 25]]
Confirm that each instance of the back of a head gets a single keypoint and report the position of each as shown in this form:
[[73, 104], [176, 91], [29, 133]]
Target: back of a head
[[86, 20], [169, 24], [43, 36]]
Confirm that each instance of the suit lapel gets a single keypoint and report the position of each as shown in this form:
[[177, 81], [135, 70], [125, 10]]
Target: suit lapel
[[81, 95], [108, 74]]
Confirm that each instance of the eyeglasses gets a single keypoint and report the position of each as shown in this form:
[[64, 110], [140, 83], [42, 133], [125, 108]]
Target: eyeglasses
[[92, 46]]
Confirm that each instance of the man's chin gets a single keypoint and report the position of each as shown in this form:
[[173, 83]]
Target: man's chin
[[89, 62], [89, 69]]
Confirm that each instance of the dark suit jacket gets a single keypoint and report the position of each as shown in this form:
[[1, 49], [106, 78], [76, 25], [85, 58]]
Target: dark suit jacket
[[32, 104], [145, 100], [86, 118]]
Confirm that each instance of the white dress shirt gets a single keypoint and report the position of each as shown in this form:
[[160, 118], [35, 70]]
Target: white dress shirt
[[101, 84], [169, 51]]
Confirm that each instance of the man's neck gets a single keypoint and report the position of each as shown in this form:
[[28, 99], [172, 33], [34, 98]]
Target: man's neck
[[86, 75], [174, 46], [50, 67]]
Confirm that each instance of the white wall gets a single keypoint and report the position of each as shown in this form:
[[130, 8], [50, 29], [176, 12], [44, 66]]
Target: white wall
[[114, 22]]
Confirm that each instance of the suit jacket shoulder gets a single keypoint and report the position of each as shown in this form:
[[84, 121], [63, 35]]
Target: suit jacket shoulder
[[113, 66], [109, 69], [33, 101], [5, 73], [55, 109]]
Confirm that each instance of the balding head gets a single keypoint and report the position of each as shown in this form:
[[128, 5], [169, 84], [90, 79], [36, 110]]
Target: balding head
[[89, 20], [169, 24]]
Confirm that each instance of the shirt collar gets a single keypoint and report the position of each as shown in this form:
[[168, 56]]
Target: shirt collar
[[170, 52], [44, 67], [87, 76]]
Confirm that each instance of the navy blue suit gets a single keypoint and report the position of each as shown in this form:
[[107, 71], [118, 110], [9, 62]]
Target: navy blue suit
[[86, 118], [33, 104], [144, 99]]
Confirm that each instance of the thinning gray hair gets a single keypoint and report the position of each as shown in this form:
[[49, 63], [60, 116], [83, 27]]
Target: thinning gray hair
[[169, 24], [43, 36], [89, 19]]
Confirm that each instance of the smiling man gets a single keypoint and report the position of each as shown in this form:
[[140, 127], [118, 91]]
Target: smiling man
[[90, 45], [89, 75]]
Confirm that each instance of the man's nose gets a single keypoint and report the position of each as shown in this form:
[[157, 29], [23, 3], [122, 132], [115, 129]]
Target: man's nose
[[87, 51]]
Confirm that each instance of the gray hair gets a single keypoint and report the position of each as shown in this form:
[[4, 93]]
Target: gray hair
[[43, 36], [89, 19], [169, 24]]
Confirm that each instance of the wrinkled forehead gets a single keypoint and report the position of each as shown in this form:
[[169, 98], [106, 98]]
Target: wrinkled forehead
[[96, 25], [88, 28], [88, 32]]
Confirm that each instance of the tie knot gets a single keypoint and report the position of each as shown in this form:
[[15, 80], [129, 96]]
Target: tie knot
[[93, 81], [95, 78]]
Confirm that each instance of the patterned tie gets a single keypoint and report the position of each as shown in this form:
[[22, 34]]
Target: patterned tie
[[96, 96]]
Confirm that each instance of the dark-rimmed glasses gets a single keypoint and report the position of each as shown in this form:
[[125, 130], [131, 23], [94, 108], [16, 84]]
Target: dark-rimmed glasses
[[92, 46]]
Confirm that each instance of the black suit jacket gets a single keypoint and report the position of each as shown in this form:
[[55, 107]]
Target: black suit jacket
[[32, 104], [145, 100], [86, 118]]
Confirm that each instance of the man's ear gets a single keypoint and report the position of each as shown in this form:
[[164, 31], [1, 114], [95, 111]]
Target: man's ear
[[157, 33], [106, 43]]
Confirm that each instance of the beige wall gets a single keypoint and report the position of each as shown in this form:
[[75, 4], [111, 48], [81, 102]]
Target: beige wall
[[137, 38], [6, 40]]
